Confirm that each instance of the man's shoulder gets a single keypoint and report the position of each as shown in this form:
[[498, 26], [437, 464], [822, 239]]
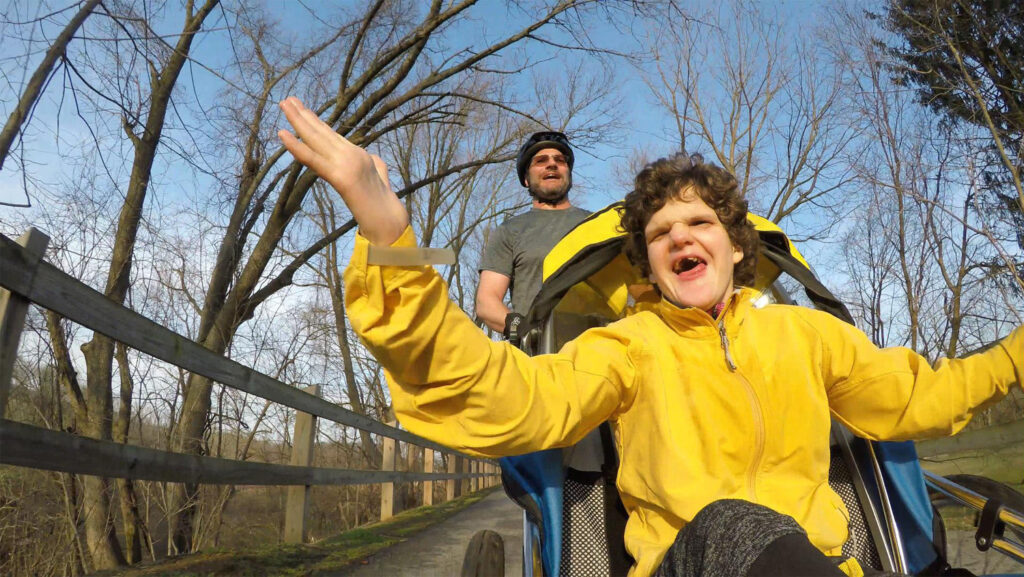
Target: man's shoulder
[[578, 212], [526, 218], [518, 219]]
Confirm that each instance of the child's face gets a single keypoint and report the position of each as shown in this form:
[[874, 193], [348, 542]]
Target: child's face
[[690, 253]]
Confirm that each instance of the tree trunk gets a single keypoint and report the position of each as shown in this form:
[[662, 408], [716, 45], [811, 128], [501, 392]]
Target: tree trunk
[[102, 540], [135, 533], [100, 532], [191, 440], [218, 325]]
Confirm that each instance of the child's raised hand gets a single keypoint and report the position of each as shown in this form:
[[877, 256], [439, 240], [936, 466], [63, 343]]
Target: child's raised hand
[[359, 177]]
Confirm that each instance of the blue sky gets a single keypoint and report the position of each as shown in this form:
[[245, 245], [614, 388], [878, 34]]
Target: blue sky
[[645, 126]]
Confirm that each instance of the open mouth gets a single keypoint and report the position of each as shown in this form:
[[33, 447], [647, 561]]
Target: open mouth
[[687, 264]]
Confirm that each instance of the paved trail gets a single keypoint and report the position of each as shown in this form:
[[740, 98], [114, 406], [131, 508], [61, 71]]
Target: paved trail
[[962, 552], [439, 550]]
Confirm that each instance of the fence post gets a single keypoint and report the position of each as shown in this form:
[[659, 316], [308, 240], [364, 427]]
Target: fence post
[[474, 483], [409, 495], [387, 490], [450, 484], [297, 505], [12, 314], [464, 482], [428, 467]]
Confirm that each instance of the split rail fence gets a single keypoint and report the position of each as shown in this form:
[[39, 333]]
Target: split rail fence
[[26, 278]]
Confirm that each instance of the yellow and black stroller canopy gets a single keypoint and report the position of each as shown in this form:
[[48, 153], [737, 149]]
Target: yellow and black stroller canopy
[[587, 271]]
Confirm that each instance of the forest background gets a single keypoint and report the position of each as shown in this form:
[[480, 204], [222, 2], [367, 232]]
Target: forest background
[[885, 138]]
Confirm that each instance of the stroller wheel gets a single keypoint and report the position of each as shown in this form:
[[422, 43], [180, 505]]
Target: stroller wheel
[[485, 555]]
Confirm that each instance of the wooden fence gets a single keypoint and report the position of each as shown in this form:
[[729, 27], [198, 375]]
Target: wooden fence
[[26, 278]]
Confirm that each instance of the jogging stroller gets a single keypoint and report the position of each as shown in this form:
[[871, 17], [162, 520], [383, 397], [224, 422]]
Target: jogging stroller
[[573, 519]]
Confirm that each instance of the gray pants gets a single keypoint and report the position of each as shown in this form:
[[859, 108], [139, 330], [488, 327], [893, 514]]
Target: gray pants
[[733, 538]]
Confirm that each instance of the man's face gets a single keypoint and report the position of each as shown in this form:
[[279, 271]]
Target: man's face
[[691, 256], [548, 177]]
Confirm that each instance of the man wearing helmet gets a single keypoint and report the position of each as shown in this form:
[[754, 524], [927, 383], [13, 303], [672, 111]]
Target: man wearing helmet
[[514, 256]]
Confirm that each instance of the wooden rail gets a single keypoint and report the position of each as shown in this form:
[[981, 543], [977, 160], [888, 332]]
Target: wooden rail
[[27, 278], [39, 448], [998, 436]]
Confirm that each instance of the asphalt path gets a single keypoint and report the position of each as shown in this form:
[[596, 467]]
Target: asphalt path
[[440, 550], [962, 552]]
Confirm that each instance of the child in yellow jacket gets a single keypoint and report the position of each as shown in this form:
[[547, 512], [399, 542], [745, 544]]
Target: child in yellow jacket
[[721, 411]]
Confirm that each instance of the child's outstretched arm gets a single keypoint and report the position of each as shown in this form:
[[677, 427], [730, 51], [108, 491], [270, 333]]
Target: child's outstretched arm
[[896, 394], [449, 382], [359, 177]]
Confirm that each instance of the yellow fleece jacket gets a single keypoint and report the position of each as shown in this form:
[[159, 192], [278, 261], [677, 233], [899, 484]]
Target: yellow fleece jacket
[[701, 411]]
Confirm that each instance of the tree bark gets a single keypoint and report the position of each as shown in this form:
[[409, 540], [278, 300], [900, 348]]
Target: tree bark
[[135, 532]]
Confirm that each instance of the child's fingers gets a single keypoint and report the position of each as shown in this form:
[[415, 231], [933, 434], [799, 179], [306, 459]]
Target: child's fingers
[[301, 119], [316, 133], [324, 143], [307, 145], [291, 107], [382, 170], [299, 150], [313, 129]]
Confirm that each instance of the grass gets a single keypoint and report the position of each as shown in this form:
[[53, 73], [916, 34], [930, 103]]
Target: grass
[[326, 557], [1004, 464]]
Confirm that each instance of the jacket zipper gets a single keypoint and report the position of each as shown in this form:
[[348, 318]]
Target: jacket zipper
[[755, 408], [755, 463], [725, 346]]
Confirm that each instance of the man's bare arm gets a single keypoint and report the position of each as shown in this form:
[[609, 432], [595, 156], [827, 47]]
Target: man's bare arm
[[490, 299]]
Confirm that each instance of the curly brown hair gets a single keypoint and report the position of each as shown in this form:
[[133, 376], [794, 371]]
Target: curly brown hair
[[669, 178]]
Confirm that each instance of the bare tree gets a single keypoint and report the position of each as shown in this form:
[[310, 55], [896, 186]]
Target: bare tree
[[143, 128], [330, 272], [922, 242], [759, 102], [142, 117], [963, 59], [388, 80]]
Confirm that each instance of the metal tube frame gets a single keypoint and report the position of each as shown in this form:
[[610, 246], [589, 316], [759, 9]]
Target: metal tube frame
[[969, 498]]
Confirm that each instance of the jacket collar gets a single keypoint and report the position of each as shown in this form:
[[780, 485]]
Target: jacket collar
[[689, 320]]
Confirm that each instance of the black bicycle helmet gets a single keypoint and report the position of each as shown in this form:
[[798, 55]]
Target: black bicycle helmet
[[537, 141]]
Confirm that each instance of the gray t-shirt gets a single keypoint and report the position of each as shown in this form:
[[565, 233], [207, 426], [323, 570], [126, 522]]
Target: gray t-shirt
[[517, 249]]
